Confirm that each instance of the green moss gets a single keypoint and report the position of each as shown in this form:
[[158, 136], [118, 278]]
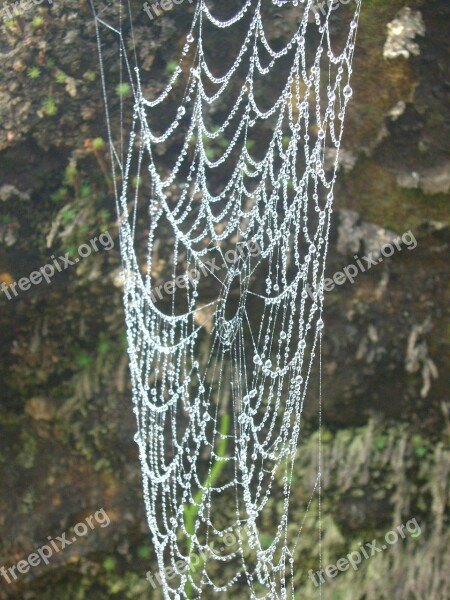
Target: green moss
[[377, 85], [385, 202]]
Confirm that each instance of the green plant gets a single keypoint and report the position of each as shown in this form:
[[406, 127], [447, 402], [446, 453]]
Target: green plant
[[104, 215], [70, 175], [123, 89], [84, 360], [380, 442], [98, 143], [144, 552], [71, 250], [419, 445], [59, 195], [103, 346], [210, 153], [60, 77], [38, 21], [110, 564], [49, 106], [90, 76], [191, 510], [85, 190], [171, 66], [10, 24], [34, 72], [327, 436]]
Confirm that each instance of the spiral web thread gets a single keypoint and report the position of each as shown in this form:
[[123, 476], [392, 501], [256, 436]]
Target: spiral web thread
[[239, 221]]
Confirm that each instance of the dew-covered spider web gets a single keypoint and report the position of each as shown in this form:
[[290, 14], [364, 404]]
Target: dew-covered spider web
[[224, 206]]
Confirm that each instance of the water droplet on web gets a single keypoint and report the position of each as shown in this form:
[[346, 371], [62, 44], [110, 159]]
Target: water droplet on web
[[347, 91], [190, 38]]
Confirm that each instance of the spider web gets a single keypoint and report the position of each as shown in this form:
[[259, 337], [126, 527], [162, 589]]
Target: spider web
[[224, 207]]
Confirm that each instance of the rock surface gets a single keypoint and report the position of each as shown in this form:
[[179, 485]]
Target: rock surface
[[66, 425]]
